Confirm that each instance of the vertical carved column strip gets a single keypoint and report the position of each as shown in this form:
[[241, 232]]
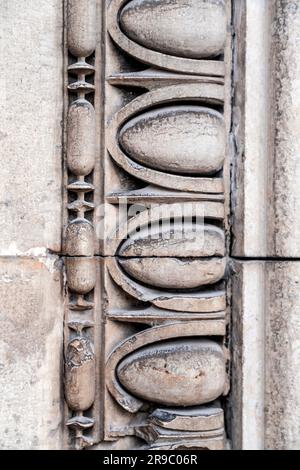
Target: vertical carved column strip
[[79, 246]]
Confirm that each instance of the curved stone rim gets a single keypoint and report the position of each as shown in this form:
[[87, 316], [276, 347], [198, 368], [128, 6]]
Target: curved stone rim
[[207, 92], [135, 342], [196, 301], [151, 57], [179, 111], [208, 209], [200, 267]]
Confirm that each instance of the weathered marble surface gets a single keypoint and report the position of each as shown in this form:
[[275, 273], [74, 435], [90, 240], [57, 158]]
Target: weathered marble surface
[[31, 135], [183, 139], [266, 345], [174, 273], [183, 372], [31, 201], [194, 29], [266, 196], [265, 206], [31, 319]]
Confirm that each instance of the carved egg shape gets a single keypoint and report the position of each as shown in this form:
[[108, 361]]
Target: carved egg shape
[[184, 372], [191, 28], [183, 139], [179, 239], [175, 273]]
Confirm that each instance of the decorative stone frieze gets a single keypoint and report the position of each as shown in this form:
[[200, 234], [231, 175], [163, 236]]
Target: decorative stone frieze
[[167, 145], [148, 209]]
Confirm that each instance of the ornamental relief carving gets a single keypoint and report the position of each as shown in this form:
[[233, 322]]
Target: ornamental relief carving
[[171, 34], [135, 137], [147, 304]]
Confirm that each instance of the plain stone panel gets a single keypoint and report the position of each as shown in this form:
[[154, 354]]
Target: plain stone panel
[[251, 119], [31, 318], [248, 342], [266, 195], [265, 397], [30, 130], [282, 356], [284, 171]]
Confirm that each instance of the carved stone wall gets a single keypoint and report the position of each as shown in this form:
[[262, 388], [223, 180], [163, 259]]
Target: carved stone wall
[[160, 105], [149, 257]]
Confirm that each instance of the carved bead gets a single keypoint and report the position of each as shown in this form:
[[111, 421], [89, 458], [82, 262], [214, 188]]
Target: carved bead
[[80, 374], [178, 372], [193, 29], [195, 240], [81, 17], [184, 139], [175, 273], [81, 137], [80, 238], [81, 274]]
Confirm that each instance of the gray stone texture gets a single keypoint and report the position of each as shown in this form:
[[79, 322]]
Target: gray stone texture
[[31, 320], [31, 313], [31, 138], [266, 197], [266, 355]]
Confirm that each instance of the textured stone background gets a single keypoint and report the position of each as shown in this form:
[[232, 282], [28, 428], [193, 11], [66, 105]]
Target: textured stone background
[[31, 313]]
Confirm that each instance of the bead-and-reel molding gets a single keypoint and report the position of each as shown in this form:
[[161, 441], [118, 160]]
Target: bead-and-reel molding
[[81, 327]]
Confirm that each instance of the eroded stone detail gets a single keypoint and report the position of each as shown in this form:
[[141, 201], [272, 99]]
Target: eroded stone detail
[[200, 427], [194, 131], [79, 374]]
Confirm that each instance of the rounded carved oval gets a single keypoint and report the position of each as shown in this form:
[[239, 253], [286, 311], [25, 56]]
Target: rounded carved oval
[[212, 94], [193, 29], [183, 372], [171, 34], [181, 239], [79, 374], [81, 274], [80, 238], [175, 273], [81, 131], [181, 139], [81, 17]]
